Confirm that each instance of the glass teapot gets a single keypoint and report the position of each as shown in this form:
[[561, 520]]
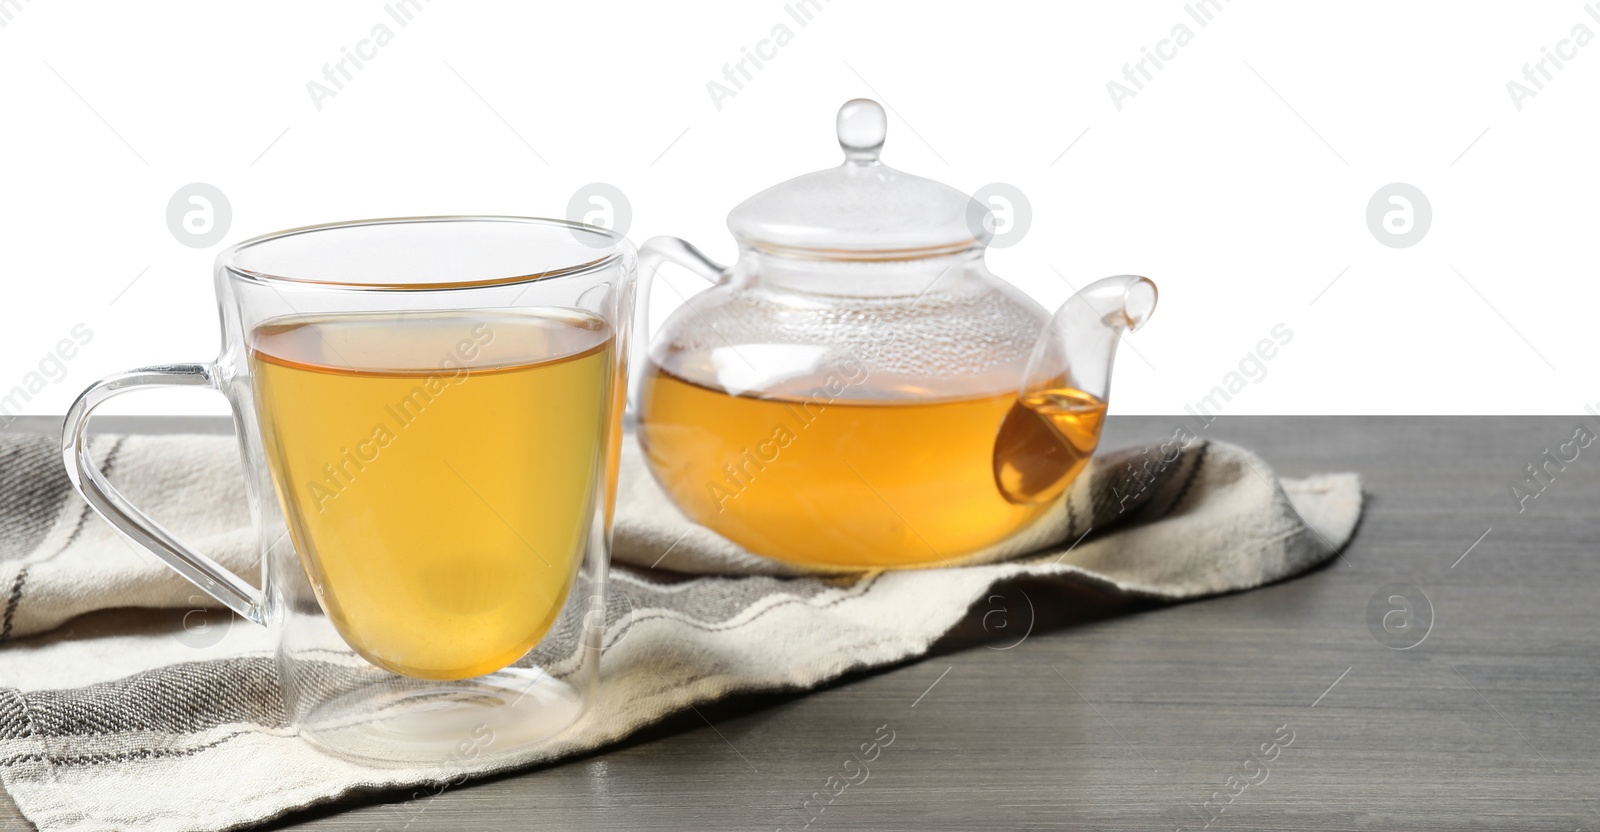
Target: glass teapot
[[858, 390]]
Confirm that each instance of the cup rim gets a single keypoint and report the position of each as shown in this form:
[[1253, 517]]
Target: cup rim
[[618, 248]]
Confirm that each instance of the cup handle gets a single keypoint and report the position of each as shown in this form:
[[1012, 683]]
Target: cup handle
[[109, 503], [655, 252]]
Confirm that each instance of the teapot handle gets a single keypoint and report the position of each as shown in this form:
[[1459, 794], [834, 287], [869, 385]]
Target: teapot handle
[[655, 252]]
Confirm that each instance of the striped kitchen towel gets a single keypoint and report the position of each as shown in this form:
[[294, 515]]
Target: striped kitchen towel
[[116, 713]]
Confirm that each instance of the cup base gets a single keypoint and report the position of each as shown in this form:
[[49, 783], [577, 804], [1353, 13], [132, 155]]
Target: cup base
[[394, 722]]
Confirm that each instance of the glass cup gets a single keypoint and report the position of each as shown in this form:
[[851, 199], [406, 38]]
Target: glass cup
[[429, 414]]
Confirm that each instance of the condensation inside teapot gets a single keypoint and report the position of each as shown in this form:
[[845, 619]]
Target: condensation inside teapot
[[966, 340]]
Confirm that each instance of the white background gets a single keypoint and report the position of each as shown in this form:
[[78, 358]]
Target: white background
[[1238, 178]]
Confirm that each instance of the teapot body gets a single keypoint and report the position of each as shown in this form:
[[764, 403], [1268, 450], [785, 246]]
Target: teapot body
[[842, 413]]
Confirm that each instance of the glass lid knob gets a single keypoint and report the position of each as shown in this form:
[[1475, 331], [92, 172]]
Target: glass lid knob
[[862, 126]]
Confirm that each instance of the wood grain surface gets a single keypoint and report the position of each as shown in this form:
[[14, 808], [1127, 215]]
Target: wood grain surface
[[1112, 716]]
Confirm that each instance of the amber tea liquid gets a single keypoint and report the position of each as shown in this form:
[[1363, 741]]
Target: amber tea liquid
[[858, 481], [438, 472]]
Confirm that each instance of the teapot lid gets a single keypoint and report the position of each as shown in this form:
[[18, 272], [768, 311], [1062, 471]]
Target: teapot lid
[[862, 209]]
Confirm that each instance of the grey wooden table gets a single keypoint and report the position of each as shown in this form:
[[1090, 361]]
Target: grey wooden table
[[1136, 717]]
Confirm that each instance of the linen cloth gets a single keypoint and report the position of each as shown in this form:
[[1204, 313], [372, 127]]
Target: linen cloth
[[137, 719]]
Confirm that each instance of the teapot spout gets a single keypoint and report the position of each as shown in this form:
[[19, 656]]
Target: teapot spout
[[1053, 429], [1079, 347]]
